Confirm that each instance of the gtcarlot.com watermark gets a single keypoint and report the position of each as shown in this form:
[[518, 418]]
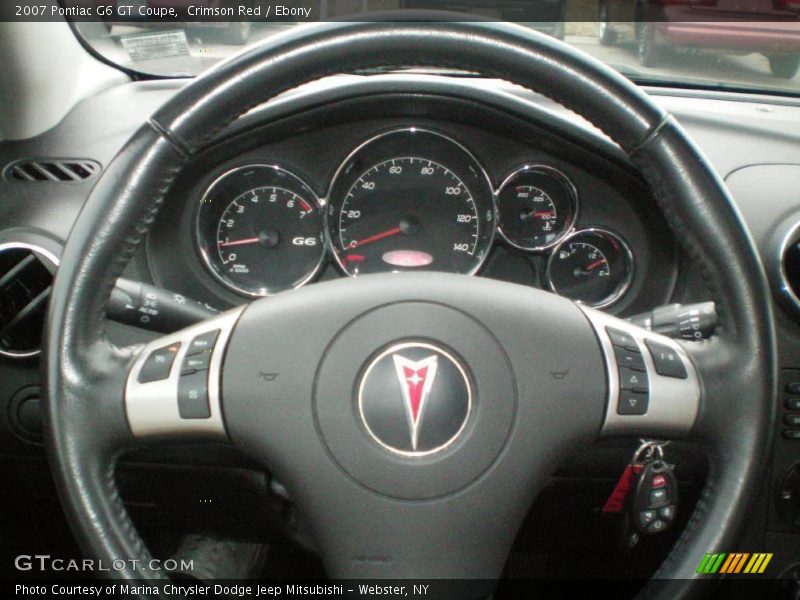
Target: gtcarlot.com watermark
[[45, 563]]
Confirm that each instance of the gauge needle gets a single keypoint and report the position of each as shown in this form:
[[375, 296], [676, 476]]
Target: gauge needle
[[374, 238], [253, 240], [593, 265], [542, 214]]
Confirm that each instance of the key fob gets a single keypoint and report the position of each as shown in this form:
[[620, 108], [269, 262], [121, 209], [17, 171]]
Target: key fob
[[655, 498]]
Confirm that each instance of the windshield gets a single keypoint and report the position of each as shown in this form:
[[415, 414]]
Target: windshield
[[685, 43]]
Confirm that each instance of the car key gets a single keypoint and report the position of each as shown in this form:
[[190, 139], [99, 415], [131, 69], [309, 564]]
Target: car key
[[654, 498]]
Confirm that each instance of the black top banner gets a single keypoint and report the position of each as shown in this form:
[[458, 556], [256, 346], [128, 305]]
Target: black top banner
[[520, 11]]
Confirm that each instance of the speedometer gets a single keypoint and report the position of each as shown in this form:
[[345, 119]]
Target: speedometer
[[410, 200]]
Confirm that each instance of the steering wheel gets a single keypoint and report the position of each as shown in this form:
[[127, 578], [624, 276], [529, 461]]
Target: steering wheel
[[415, 418]]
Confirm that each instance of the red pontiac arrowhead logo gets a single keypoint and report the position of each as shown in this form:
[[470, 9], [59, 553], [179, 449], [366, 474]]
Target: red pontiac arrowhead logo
[[415, 399], [416, 380]]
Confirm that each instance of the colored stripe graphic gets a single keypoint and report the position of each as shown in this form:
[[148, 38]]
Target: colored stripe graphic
[[758, 563], [734, 563], [711, 563]]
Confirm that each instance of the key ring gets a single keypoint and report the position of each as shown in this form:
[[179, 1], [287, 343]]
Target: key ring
[[649, 448]]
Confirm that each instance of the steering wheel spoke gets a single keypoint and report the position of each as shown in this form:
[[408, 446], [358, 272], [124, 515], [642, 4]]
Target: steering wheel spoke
[[173, 387], [653, 386]]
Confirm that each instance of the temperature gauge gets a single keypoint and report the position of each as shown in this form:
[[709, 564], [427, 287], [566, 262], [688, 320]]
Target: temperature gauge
[[537, 206], [592, 266]]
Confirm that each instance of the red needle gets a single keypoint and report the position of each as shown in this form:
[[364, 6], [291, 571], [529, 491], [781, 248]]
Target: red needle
[[595, 264], [536, 214], [374, 238], [253, 240]]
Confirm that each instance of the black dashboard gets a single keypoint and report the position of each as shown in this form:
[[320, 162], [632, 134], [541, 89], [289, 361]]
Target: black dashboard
[[405, 172]]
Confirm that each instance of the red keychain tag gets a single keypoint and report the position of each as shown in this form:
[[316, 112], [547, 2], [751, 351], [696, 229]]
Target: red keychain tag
[[616, 501]]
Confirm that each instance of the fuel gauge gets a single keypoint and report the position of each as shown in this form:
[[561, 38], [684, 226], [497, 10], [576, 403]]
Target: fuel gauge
[[592, 266]]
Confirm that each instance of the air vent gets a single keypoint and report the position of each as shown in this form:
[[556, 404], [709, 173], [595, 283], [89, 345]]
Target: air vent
[[52, 170], [26, 278]]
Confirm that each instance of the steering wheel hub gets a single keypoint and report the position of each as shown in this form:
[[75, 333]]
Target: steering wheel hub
[[411, 384]]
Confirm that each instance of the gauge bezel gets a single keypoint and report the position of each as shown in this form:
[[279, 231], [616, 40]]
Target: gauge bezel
[[481, 175], [309, 195], [789, 238], [563, 180], [627, 253]]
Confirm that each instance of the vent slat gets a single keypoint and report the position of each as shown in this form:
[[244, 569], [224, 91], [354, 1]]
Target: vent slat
[[26, 279], [40, 168], [66, 170], [14, 272], [20, 173], [70, 171], [66, 173], [24, 314]]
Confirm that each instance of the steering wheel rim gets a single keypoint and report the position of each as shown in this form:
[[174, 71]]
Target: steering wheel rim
[[87, 376]]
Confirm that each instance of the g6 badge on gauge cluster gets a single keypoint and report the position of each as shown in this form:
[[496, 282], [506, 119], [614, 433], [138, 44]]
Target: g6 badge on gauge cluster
[[259, 230]]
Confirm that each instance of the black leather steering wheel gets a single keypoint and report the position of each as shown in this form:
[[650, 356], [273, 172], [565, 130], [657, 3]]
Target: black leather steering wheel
[[290, 391]]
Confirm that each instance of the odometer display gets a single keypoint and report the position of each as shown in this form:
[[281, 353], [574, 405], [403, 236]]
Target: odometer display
[[410, 200]]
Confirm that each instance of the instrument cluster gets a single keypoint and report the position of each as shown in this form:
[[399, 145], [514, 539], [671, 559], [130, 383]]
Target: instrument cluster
[[405, 200]]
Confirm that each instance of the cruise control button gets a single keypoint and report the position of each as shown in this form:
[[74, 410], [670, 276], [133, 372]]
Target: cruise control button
[[792, 403], [666, 360], [159, 364], [791, 434], [196, 362], [632, 403], [622, 338], [203, 342], [793, 387], [193, 396], [633, 380], [626, 358]]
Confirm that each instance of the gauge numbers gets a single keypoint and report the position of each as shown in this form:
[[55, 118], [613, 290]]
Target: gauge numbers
[[405, 200], [405, 213], [410, 200], [537, 205], [592, 266], [266, 230]]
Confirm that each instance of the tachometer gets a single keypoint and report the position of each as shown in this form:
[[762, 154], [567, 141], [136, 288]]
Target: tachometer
[[259, 230], [409, 200]]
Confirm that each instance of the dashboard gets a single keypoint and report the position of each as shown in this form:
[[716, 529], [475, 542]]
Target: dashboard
[[454, 187], [405, 200], [412, 172]]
